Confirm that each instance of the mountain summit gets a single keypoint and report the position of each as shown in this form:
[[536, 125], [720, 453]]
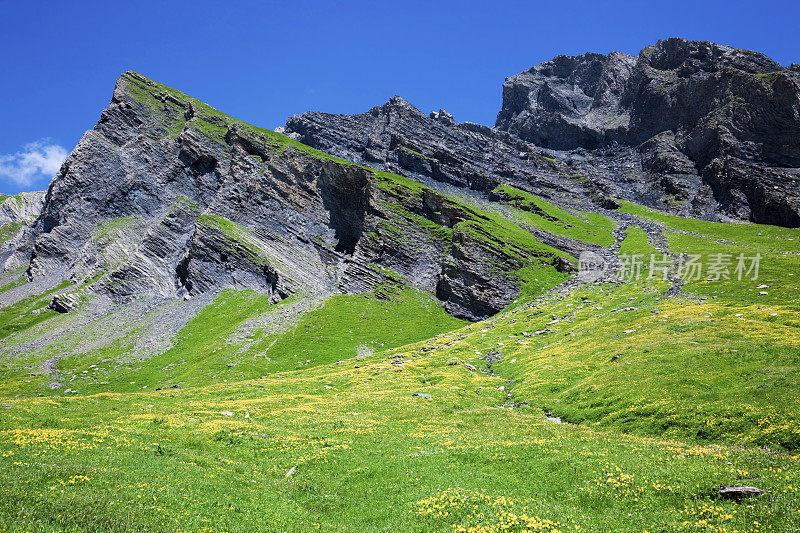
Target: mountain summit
[[168, 197]]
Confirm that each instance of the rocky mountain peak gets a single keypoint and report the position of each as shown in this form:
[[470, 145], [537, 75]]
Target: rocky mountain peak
[[443, 117], [567, 102], [595, 100], [688, 58], [169, 198], [694, 127], [398, 104]]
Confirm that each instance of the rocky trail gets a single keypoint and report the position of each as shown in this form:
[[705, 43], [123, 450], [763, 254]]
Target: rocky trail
[[274, 321]]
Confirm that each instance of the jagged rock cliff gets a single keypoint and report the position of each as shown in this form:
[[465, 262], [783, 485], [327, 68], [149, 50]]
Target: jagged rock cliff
[[167, 196], [17, 214], [698, 128], [434, 149]]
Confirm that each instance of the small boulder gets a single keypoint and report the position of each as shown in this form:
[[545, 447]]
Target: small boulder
[[563, 265], [423, 395], [492, 356], [551, 417], [607, 203], [739, 492]]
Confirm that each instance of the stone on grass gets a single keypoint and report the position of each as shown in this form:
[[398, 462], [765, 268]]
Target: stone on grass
[[739, 492]]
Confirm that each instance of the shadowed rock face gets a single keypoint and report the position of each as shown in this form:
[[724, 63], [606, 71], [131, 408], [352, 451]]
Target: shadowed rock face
[[693, 127], [399, 138], [593, 100], [569, 102], [167, 196]]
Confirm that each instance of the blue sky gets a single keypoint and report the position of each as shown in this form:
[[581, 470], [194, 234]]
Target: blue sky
[[264, 61]]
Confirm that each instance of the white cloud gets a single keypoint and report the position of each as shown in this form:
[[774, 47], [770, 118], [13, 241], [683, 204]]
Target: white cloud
[[37, 162]]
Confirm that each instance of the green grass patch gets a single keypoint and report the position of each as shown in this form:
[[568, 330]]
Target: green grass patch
[[240, 240], [348, 448], [10, 230], [592, 228], [111, 228], [760, 236]]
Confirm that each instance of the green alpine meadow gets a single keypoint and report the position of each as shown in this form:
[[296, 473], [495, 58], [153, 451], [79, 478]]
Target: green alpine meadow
[[585, 318]]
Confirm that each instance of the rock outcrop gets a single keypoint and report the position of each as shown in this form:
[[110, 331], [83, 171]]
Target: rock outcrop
[[17, 214], [433, 149], [693, 127], [167, 196], [64, 303], [708, 121]]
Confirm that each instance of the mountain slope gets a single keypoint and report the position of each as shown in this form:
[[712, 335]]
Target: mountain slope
[[167, 196], [209, 326], [17, 214]]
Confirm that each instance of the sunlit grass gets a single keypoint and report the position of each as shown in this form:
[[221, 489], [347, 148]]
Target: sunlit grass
[[319, 423]]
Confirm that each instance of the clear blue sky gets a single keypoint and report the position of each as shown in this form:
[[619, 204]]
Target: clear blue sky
[[264, 61]]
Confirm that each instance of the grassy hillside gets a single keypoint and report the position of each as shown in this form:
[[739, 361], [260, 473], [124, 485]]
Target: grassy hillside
[[778, 247], [349, 448], [238, 335], [587, 227], [664, 398], [405, 203], [615, 406]]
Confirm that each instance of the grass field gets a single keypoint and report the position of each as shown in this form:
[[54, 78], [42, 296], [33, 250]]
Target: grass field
[[348, 447], [316, 424]]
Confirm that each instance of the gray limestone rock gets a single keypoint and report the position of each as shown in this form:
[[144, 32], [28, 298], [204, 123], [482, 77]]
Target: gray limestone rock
[[686, 108], [671, 128], [168, 197], [64, 303]]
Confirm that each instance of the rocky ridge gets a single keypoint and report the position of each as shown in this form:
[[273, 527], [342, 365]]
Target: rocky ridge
[[692, 127], [168, 197], [17, 214]]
